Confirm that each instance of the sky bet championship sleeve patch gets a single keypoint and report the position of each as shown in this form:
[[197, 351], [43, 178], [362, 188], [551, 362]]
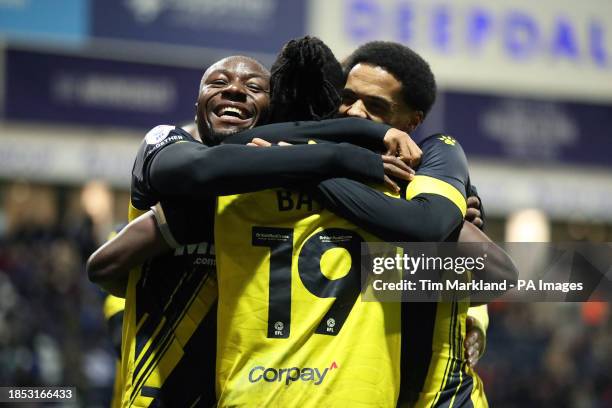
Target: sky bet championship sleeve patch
[[158, 133], [155, 141]]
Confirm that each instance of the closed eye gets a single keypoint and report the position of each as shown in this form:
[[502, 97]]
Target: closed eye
[[348, 97], [255, 87], [218, 82], [378, 106]]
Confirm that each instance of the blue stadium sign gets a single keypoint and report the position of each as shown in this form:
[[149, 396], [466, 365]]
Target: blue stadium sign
[[546, 47], [249, 25], [76, 89]]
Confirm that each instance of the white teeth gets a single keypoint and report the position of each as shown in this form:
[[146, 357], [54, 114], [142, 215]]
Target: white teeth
[[240, 112]]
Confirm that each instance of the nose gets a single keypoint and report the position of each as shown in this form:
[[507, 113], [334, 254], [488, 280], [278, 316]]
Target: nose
[[235, 91], [357, 110]]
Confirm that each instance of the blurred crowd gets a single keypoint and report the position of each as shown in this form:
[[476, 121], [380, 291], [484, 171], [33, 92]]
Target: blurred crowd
[[52, 331], [548, 355]]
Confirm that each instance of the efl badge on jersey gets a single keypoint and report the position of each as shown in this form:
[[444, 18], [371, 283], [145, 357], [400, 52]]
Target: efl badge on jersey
[[158, 133]]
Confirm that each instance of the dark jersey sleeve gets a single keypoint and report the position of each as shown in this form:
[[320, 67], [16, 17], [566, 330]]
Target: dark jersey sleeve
[[434, 212], [427, 218], [192, 169], [443, 159], [436, 205], [360, 132], [156, 140], [185, 222]]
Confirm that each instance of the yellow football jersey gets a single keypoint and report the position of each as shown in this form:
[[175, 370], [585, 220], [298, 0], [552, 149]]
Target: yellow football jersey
[[292, 329], [168, 330], [433, 368], [113, 313], [434, 371], [168, 343]]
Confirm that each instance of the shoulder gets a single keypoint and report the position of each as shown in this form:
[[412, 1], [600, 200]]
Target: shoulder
[[162, 135], [440, 142], [155, 140], [444, 158], [442, 148]]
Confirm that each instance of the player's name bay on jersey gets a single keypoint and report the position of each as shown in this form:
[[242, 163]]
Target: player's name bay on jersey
[[287, 200], [481, 272]]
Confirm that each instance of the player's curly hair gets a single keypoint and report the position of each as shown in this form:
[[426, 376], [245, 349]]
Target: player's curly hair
[[412, 71], [305, 82]]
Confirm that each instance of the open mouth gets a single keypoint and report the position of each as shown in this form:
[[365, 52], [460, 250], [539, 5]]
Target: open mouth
[[232, 113]]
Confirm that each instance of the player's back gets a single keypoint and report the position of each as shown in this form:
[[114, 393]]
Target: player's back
[[293, 330]]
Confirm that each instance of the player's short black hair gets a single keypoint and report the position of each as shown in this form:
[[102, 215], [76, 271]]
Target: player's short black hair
[[306, 81], [408, 67]]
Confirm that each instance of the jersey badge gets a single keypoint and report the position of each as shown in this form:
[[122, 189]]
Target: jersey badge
[[448, 140], [158, 133]]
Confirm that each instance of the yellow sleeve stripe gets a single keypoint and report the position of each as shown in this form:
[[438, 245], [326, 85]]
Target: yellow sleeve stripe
[[112, 306], [426, 184], [134, 212]]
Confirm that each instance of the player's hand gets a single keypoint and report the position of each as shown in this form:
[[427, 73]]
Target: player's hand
[[473, 345], [257, 142], [400, 144], [473, 211], [395, 167]]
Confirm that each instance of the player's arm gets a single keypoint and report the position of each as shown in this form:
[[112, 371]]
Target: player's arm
[[436, 201], [110, 265], [476, 325], [170, 162], [475, 211], [499, 266], [361, 132], [192, 169], [428, 218], [435, 208]]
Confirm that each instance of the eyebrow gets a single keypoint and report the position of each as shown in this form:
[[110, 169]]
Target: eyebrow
[[368, 97], [228, 72]]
